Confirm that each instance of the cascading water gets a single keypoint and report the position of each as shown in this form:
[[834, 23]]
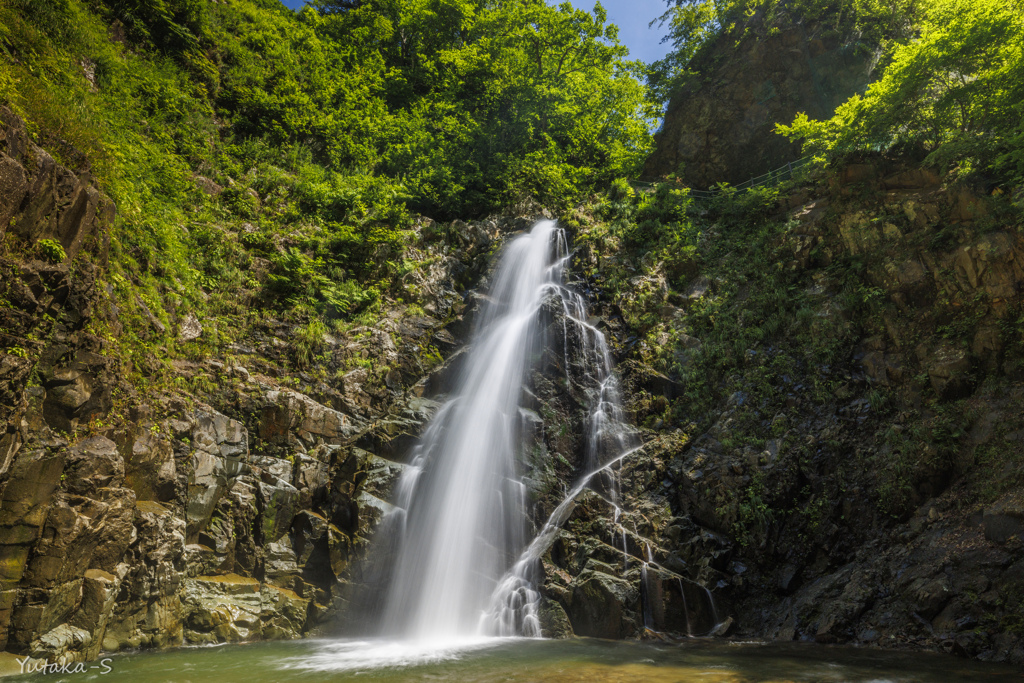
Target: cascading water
[[460, 517]]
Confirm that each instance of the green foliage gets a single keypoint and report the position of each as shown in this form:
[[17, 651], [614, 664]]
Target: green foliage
[[17, 351], [309, 339], [755, 514], [528, 100], [620, 190], [955, 94], [242, 201], [316, 134], [913, 454], [51, 250]]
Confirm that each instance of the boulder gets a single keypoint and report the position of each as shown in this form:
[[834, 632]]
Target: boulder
[[189, 328], [221, 450], [226, 607], [948, 370], [554, 622], [1005, 519], [281, 566], [284, 613], [293, 419], [603, 605], [92, 464], [55, 644], [232, 608], [150, 469]]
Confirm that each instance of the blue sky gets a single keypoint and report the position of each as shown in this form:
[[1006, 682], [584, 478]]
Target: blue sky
[[631, 16]]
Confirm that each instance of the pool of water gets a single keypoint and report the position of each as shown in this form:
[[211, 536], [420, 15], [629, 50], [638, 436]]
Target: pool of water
[[534, 661]]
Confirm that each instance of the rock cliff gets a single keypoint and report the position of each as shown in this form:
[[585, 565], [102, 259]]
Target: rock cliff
[[224, 499], [829, 395], [720, 122], [833, 449]]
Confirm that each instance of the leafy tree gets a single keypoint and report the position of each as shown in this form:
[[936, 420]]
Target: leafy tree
[[322, 128], [954, 94], [691, 24], [489, 103]]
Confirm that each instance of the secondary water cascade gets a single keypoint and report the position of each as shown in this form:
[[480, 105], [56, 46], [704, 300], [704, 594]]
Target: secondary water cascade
[[459, 529]]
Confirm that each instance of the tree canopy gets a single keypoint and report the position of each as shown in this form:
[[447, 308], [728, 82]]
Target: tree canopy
[[327, 128], [955, 94]]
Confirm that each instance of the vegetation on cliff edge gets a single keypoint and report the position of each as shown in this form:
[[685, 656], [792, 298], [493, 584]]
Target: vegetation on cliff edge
[[954, 95], [266, 162]]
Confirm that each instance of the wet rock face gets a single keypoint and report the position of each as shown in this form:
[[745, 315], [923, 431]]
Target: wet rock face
[[610, 573], [602, 604], [720, 126]]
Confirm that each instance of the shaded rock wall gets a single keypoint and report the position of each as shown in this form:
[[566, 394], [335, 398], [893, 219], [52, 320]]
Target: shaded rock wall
[[42, 199], [720, 123], [885, 510]]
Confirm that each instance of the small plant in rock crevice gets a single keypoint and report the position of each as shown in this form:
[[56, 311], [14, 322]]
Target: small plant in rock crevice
[[51, 250]]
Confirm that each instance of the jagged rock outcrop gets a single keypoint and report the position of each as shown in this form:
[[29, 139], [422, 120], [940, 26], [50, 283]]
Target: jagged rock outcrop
[[720, 123], [42, 199]]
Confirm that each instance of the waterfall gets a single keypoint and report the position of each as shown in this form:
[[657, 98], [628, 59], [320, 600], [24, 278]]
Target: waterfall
[[460, 522]]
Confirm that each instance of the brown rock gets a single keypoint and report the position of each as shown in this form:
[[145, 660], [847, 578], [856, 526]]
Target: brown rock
[[949, 371], [913, 179], [13, 186], [150, 470], [1005, 519], [720, 125], [93, 464]]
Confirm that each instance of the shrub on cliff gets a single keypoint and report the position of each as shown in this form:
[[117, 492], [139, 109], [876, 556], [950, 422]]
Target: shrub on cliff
[[956, 93]]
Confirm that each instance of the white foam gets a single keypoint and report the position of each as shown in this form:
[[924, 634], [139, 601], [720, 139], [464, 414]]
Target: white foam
[[355, 655]]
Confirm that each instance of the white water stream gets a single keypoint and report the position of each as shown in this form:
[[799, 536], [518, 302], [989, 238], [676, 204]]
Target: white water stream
[[465, 568]]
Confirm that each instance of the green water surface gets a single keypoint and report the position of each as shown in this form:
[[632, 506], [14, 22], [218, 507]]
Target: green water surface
[[548, 661]]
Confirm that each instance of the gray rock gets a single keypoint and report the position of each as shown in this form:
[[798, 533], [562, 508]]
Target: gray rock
[[719, 125], [281, 563], [13, 187], [65, 638], [293, 419], [150, 470], [279, 503], [1004, 519], [189, 328], [221, 449], [603, 605]]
